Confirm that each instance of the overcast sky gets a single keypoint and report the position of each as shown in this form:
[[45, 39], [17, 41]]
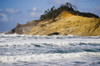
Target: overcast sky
[[21, 11]]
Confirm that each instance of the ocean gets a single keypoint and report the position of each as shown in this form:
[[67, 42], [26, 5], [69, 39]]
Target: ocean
[[28, 50]]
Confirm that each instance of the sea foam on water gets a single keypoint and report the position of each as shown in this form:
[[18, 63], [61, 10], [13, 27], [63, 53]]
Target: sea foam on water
[[28, 50]]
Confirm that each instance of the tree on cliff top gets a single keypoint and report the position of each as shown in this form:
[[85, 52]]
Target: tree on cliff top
[[53, 12]]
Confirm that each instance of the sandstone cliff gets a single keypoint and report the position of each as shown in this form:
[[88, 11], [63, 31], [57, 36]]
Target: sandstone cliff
[[67, 23], [63, 20]]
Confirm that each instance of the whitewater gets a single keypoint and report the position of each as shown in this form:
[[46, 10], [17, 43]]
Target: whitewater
[[28, 50]]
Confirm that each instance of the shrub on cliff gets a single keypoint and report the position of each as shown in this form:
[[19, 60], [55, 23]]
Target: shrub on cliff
[[53, 12]]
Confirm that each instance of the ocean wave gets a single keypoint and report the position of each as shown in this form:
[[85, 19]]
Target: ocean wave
[[28, 50], [47, 57]]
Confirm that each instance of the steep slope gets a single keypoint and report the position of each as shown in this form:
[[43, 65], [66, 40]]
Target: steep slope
[[67, 23]]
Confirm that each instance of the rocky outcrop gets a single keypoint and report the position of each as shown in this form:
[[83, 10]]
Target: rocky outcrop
[[23, 29], [67, 23]]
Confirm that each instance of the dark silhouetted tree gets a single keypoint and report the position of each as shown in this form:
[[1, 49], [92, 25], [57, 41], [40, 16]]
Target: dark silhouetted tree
[[53, 12]]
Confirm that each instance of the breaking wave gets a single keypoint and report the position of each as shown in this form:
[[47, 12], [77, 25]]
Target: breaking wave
[[28, 50]]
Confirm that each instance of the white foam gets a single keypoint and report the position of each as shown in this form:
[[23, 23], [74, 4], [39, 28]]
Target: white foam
[[15, 39], [16, 48], [46, 57]]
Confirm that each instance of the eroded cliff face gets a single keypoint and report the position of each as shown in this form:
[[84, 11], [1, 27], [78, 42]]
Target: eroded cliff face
[[24, 29], [67, 23]]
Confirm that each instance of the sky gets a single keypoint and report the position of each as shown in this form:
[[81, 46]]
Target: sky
[[22, 11]]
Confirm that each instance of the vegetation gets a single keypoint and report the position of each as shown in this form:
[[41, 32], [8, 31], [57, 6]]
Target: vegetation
[[53, 12]]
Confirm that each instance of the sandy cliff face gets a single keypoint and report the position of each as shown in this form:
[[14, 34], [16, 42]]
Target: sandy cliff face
[[67, 23]]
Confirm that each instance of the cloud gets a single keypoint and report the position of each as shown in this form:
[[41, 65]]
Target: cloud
[[3, 17], [34, 12], [12, 11], [8, 14], [34, 9]]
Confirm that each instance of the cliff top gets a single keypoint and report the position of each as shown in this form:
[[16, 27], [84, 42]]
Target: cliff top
[[64, 20], [67, 23], [54, 12]]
